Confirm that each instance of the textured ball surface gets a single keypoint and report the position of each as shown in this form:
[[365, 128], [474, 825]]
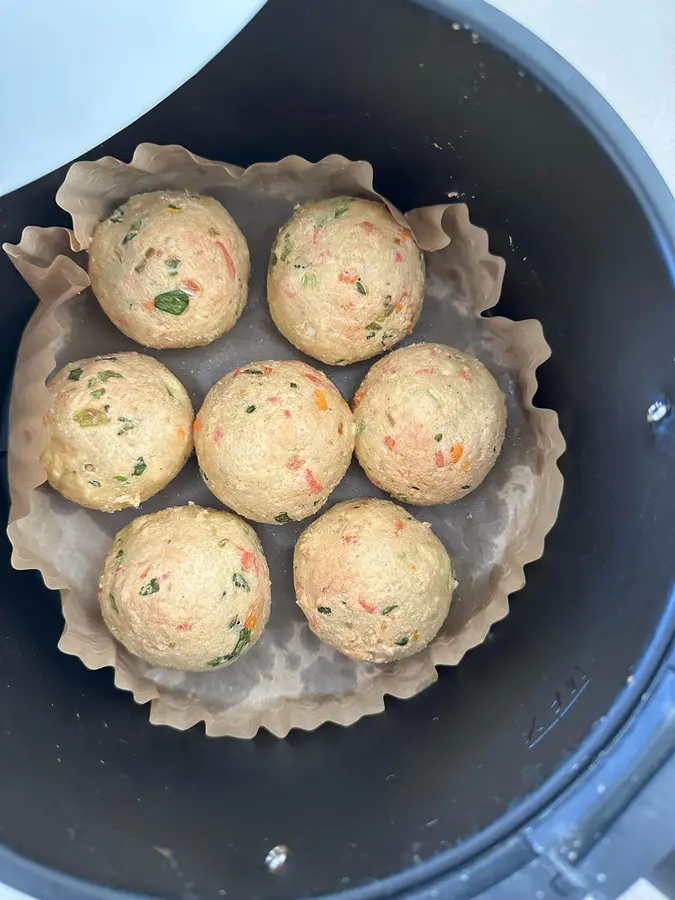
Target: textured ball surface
[[186, 588], [345, 281], [118, 430], [373, 581], [170, 269], [273, 440], [430, 423]]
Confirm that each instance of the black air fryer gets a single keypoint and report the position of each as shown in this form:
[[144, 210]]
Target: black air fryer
[[539, 766]]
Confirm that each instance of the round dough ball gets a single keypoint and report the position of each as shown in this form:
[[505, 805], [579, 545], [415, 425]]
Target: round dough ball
[[186, 588], [374, 582], [430, 423], [345, 281], [119, 429], [170, 269], [273, 439]]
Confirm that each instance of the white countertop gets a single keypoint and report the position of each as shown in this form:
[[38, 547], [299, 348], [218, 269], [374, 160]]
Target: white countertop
[[626, 50]]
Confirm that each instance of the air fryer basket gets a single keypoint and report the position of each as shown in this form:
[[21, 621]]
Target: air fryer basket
[[89, 790]]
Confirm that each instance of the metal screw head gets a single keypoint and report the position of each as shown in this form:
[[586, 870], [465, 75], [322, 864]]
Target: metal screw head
[[276, 858], [658, 411]]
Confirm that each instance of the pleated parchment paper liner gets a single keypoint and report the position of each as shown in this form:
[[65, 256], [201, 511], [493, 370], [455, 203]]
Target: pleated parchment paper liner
[[289, 679]]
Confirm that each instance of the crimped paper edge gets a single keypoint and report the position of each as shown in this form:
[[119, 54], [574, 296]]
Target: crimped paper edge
[[430, 225]]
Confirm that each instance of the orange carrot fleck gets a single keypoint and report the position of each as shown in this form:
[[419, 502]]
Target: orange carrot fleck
[[416, 636], [369, 607], [456, 452], [197, 425], [251, 617], [149, 305], [348, 277], [389, 442], [180, 431], [144, 573], [367, 226], [341, 428], [413, 567], [400, 525], [314, 485], [440, 459], [398, 307], [320, 399], [228, 258], [294, 463], [466, 467], [218, 434], [358, 397], [402, 236]]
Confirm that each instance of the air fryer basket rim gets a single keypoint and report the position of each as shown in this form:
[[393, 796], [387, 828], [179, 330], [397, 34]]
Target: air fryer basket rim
[[659, 206]]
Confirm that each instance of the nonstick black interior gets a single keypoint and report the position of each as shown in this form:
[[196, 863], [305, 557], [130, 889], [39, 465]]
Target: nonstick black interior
[[88, 788]]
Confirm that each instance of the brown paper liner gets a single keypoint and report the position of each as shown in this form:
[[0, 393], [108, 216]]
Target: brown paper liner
[[288, 680]]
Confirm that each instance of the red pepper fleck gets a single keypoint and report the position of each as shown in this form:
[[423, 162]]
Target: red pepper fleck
[[351, 539], [389, 442], [287, 413], [247, 558], [398, 256], [434, 351], [424, 372], [274, 399], [314, 485], [185, 626], [144, 574], [368, 226], [294, 463], [456, 452], [400, 525], [192, 285], [313, 378], [315, 236], [440, 459], [236, 372], [465, 375], [218, 434], [228, 258], [369, 607]]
